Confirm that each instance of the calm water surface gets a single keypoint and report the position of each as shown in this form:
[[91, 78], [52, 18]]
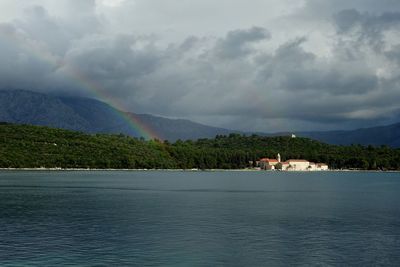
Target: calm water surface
[[199, 219]]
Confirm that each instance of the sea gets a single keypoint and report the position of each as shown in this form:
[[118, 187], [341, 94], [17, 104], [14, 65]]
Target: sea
[[219, 218]]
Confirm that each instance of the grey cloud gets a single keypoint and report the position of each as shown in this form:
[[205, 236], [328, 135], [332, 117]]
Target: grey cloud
[[237, 43], [112, 58], [250, 74], [347, 19], [292, 69], [394, 54], [19, 68], [39, 25], [326, 9], [291, 83], [189, 43], [367, 27]]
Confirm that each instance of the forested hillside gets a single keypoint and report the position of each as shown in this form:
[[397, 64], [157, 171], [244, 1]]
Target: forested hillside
[[35, 146]]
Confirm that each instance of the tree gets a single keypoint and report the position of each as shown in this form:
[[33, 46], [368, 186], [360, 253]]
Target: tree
[[278, 166]]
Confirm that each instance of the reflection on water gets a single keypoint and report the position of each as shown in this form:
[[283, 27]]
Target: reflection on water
[[199, 218]]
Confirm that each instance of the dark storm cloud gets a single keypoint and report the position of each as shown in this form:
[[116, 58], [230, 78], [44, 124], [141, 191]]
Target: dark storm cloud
[[342, 73]]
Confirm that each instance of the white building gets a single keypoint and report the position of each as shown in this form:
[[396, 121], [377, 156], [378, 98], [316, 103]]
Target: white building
[[312, 167], [322, 167], [298, 165], [291, 165]]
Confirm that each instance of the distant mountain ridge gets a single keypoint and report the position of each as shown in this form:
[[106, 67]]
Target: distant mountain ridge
[[93, 116], [380, 135]]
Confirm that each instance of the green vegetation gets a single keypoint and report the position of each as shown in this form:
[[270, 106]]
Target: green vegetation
[[24, 146], [32, 146]]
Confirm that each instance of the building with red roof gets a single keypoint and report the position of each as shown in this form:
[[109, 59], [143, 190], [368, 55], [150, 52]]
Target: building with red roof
[[291, 165]]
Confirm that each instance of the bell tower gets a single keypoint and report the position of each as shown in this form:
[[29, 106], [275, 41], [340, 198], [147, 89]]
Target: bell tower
[[278, 157]]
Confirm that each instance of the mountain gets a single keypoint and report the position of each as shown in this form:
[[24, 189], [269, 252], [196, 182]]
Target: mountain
[[26, 107], [381, 135], [181, 129], [92, 116]]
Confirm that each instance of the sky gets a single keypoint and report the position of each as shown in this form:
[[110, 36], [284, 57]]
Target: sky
[[260, 65]]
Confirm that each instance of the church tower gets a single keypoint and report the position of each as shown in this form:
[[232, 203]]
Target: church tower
[[278, 157]]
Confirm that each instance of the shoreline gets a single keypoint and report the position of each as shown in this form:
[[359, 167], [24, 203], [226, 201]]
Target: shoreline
[[185, 170]]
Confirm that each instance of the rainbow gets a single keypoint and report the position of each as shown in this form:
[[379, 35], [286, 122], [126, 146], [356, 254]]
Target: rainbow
[[10, 36]]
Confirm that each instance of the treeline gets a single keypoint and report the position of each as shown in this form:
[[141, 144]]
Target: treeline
[[24, 146], [33, 147]]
